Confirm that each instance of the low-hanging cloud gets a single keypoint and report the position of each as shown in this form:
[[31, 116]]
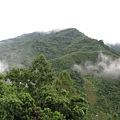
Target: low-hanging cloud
[[105, 66], [3, 67]]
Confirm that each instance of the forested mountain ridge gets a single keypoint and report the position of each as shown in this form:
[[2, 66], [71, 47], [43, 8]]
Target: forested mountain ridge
[[21, 50], [57, 94]]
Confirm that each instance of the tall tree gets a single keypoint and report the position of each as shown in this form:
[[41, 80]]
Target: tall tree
[[41, 74], [41, 71]]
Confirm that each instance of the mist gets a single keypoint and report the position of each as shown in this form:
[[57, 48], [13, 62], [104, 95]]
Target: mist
[[3, 67], [105, 66]]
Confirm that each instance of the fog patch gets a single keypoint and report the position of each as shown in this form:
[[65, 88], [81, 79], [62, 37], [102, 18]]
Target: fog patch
[[3, 67], [105, 66]]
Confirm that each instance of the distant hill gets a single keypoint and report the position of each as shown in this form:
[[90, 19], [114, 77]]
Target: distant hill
[[20, 51]]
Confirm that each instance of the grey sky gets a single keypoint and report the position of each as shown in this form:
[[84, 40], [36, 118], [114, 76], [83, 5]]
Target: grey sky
[[98, 19]]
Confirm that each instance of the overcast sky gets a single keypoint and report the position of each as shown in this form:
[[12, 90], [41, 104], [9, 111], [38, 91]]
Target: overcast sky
[[98, 19]]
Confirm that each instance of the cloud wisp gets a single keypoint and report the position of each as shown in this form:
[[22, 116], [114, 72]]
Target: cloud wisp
[[105, 66], [3, 67]]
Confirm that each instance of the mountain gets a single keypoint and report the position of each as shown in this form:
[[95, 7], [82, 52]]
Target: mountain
[[20, 51], [67, 48]]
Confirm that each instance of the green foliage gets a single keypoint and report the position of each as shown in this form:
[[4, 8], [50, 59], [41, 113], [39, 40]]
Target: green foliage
[[15, 105], [21, 51], [28, 104], [10, 106], [31, 79], [47, 114], [47, 97], [106, 93], [64, 84], [38, 95], [2, 76], [78, 81], [35, 93], [19, 77], [79, 107], [42, 71]]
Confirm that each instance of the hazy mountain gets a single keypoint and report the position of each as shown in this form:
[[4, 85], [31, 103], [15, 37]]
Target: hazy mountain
[[93, 65], [20, 51], [115, 47]]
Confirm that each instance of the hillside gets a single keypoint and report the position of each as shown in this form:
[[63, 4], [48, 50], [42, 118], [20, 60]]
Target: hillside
[[97, 65], [20, 51]]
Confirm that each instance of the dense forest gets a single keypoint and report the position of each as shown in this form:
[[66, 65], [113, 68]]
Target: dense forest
[[63, 75]]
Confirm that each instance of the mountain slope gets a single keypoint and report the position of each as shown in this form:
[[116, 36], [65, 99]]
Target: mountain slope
[[64, 49], [20, 51]]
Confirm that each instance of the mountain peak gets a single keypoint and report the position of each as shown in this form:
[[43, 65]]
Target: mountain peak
[[71, 32]]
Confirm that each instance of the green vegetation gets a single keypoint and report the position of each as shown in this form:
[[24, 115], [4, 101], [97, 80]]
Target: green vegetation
[[35, 93], [20, 51], [41, 83]]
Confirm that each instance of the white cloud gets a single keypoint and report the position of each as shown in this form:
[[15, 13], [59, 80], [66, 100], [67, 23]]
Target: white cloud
[[106, 66], [3, 67]]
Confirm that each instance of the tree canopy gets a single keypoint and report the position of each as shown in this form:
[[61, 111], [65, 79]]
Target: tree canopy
[[35, 93]]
